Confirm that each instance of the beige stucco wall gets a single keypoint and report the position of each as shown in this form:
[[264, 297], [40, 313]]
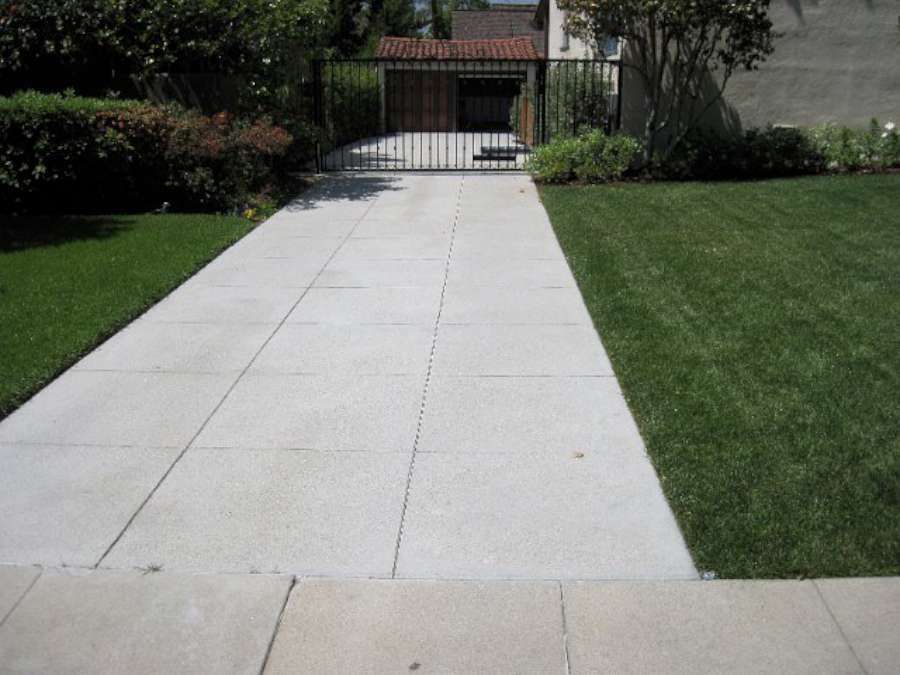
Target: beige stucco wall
[[836, 61], [577, 49]]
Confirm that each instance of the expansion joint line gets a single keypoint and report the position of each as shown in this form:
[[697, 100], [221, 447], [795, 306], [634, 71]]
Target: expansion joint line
[[231, 388], [434, 335]]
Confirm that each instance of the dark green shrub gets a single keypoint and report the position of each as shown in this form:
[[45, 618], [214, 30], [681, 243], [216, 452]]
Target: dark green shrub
[[757, 153], [78, 155]]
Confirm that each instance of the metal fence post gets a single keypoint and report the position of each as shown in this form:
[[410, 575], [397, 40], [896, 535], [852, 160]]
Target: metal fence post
[[317, 111]]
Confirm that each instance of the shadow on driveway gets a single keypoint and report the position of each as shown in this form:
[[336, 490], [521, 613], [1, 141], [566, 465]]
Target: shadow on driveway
[[343, 188]]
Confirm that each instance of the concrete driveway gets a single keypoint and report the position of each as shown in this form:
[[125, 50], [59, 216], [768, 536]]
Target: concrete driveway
[[379, 434], [393, 377]]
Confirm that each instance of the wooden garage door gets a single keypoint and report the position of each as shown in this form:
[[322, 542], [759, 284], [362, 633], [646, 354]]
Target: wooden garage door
[[419, 100]]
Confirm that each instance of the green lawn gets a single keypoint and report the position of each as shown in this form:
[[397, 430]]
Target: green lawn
[[755, 328], [68, 282]]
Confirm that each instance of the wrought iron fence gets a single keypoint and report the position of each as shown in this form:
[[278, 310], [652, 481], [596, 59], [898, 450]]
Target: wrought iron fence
[[378, 114]]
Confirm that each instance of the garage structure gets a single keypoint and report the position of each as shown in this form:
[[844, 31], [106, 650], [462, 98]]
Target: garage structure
[[425, 104]]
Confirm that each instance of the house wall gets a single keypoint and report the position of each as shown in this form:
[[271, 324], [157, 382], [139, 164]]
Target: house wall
[[836, 61], [556, 38]]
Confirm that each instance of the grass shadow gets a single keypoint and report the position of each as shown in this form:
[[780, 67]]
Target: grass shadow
[[18, 233]]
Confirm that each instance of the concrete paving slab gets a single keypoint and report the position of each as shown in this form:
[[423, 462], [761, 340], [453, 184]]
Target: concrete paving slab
[[868, 613], [318, 412], [195, 303], [411, 304], [272, 510], [505, 305], [14, 582], [414, 247], [702, 627], [272, 245], [426, 225], [110, 622], [117, 409], [489, 248], [509, 272], [357, 626], [556, 515], [326, 349], [519, 350], [527, 414], [300, 226], [64, 505], [179, 347], [255, 272], [381, 273]]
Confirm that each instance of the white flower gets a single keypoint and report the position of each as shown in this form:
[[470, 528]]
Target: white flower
[[890, 126]]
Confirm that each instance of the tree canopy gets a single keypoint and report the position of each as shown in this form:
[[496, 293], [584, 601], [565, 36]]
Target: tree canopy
[[683, 52]]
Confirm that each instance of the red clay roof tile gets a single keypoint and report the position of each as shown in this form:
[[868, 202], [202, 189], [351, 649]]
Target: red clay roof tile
[[506, 49]]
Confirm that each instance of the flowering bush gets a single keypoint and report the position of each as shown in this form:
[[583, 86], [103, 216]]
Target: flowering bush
[[62, 153], [845, 149]]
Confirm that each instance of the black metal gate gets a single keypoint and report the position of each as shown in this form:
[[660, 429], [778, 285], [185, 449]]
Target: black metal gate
[[476, 115]]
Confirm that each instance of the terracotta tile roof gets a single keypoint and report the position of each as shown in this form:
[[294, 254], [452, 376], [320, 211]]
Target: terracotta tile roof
[[508, 49], [498, 22]]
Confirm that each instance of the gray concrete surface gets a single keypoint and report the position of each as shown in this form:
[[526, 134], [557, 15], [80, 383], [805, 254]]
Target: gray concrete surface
[[447, 436], [393, 376], [365, 626], [429, 150], [143, 622], [129, 622]]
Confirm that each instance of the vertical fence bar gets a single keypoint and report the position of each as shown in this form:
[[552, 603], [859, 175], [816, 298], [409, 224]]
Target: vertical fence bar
[[317, 111]]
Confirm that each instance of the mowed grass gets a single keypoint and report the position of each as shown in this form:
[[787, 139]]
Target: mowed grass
[[66, 283], [755, 328]]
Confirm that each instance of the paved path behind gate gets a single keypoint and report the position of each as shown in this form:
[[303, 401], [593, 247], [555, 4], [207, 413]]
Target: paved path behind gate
[[393, 377]]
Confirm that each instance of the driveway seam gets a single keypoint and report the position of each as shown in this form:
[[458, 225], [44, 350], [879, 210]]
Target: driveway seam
[[565, 628], [437, 323], [228, 392], [840, 628], [287, 599], [21, 597]]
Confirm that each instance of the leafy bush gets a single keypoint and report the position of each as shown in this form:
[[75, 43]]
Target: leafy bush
[[600, 158], [61, 153], [96, 45], [592, 157], [846, 149], [351, 102], [576, 98], [757, 153]]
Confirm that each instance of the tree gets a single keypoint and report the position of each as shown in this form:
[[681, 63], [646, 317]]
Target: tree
[[675, 47]]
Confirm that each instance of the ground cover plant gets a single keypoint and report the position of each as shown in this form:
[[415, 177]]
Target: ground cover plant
[[753, 327], [67, 282]]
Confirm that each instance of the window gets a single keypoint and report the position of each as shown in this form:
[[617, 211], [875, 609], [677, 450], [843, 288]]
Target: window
[[609, 46]]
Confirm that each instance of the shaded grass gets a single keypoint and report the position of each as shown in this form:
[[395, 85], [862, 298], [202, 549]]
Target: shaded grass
[[755, 328], [66, 283]]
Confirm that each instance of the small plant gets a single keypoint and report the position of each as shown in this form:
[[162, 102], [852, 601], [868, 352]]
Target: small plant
[[591, 157], [846, 149]]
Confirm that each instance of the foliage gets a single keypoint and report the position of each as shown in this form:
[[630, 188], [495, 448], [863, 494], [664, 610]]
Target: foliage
[[352, 102], [757, 153], [591, 157], [576, 98], [69, 282], [95, 45], [674, 46], [72, 154], [847, 149], [751, 327], [778, 151]]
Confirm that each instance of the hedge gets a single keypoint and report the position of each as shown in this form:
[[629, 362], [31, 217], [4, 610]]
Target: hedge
[[68, 154]]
